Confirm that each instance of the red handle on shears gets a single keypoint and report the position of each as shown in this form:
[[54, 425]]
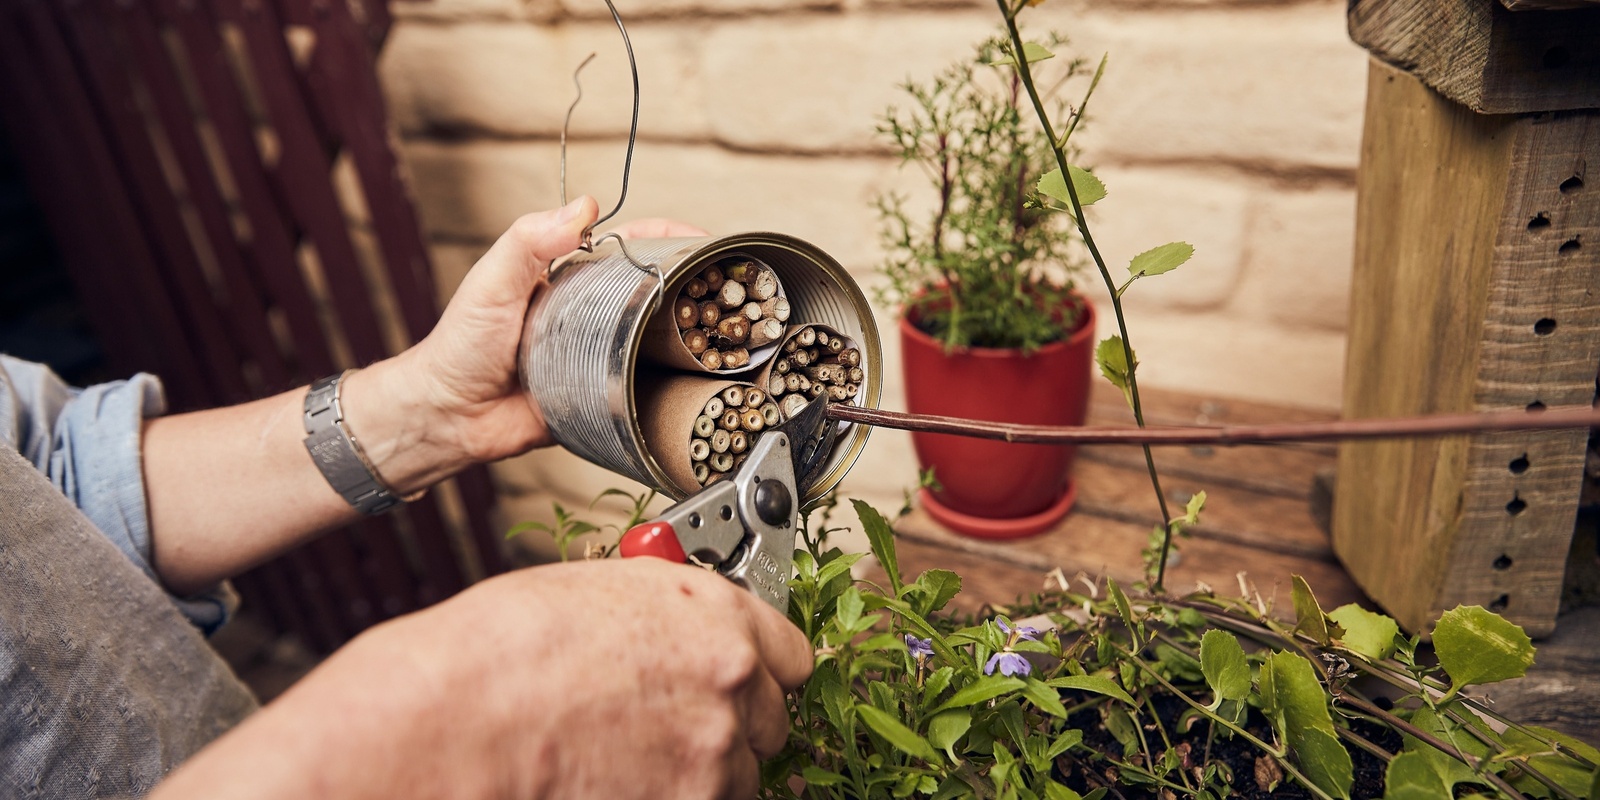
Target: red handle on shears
[[656, 539]]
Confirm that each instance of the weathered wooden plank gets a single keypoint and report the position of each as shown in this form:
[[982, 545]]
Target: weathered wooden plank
[[1541, 341], [1265, 522], [1461, 225], [1100, 546], [1283, 470], [1484, 56]]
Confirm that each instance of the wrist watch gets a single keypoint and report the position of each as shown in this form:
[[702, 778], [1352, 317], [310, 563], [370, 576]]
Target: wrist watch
[[339, 456]]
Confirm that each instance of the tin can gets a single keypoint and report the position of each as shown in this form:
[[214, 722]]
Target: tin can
[[581, 354]]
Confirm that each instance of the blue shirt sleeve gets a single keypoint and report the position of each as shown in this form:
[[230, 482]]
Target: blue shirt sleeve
[[87, 442]]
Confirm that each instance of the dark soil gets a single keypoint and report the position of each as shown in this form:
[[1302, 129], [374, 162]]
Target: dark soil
[[1085, 774]]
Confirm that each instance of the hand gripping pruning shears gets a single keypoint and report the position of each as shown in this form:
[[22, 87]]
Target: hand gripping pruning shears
[[744, 526]]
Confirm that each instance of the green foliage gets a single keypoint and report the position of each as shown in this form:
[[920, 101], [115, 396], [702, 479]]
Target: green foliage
[[1226, 669], [1476, 645], [1365, 632], [1112, 357], [991, 266]]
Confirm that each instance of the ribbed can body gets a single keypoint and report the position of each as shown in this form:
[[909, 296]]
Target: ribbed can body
[[580, 353]]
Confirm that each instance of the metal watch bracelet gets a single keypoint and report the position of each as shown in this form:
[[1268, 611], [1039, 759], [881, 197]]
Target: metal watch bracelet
[[339, 456]]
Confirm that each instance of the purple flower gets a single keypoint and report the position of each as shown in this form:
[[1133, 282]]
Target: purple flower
[[1020, 632], [1009, 663], [919, 648]]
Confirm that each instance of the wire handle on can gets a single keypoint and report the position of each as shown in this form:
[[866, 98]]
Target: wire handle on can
[[627, 164]]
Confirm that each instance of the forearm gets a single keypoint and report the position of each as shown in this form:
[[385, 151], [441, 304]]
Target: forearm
[[232, 487], [379, 719]]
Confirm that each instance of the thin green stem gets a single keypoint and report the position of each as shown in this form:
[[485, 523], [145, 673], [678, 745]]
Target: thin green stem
[[1438, 744], [1105, 275], [1277, 755]]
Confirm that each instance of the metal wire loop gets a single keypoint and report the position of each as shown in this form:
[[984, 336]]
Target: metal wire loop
[[627, 163]]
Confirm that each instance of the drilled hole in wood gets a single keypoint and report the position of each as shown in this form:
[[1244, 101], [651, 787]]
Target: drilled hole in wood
[[1557, 57], [1516, 506], [1571, 184], [1500, 603], [1544, 327], [1536, 406], [1540, 222], [1569, 246], [1503, 562], [1518, 465]]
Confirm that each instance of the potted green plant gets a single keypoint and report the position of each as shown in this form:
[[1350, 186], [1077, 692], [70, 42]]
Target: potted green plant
[[990, 326]]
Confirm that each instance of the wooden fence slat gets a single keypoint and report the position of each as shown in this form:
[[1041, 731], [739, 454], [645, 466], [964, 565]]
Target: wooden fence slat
[[155, 204], [245, 308], [116, 219]]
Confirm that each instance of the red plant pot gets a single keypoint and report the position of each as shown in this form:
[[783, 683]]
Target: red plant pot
[[998, 490]]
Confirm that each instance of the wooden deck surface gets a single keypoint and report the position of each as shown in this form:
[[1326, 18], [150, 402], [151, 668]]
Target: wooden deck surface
[[1258, 518]]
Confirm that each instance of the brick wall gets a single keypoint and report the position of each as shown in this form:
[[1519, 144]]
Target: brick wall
[[1232, 124]]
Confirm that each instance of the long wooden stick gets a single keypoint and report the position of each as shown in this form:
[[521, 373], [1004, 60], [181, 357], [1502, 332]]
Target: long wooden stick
[[1333, 430]]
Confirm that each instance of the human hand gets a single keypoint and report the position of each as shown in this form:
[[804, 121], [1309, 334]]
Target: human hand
[[615, 679], [454, 399]]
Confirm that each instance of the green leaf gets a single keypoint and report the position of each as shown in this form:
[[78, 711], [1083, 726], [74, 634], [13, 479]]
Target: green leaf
[[1066, 741], [1299, 695], [1310, 619], [838, 566], [817, 776], [904, 739], [848, 611], [1411, 777], [881, 539], [1325, 761], [945, 729], [952, 788], [936, 683], [1446, 729], [1366, 632], [1562, 769], [1158, 260], [1191, 511], [1090, 189], [1122, 727], [1113, 361], [1045, 698], [1032, 51], [939, 586], [981, 690], [1135, 626], [1226, 669], [1476, 645], [1092, 683], [1055, 791]]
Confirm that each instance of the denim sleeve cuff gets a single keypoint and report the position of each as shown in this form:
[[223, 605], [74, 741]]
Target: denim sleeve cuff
[[98, 464]]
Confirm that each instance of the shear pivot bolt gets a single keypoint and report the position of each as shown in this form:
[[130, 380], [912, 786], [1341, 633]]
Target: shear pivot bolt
[[773, 502]]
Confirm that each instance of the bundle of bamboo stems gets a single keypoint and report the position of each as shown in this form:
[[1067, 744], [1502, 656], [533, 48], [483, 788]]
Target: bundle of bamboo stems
[[815, 360], [726, 428], [730, 308]]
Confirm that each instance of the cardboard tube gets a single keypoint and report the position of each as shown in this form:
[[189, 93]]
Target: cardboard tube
[[663, 339], [668, 406]]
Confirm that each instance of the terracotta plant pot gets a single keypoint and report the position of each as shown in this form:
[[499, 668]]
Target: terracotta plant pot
[[997, 490]]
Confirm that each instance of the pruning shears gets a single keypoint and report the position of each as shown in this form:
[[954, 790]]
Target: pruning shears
[[743, 526]]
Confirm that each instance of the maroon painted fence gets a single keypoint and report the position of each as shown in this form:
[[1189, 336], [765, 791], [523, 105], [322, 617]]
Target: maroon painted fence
[[184, 152]]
